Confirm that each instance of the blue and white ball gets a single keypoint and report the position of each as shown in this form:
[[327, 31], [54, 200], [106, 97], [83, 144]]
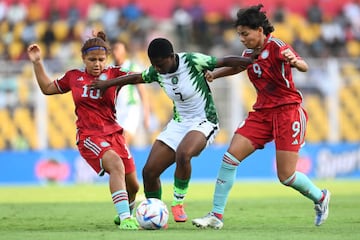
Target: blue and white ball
[[152, 214]]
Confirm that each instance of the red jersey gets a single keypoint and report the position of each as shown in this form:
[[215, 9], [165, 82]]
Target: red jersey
[[271, 76], [95, 113]]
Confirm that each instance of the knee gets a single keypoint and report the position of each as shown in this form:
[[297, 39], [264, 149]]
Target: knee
[[148, 174], [286, 179], [182, 157]]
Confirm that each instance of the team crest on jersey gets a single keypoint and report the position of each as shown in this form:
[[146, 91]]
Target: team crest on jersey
[[103, 77], [104, 144], [264, 54], [175, 80]]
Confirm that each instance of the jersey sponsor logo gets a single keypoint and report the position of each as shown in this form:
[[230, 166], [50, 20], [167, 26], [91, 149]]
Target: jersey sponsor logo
[[175, 80], [80, 79], [264, 54]]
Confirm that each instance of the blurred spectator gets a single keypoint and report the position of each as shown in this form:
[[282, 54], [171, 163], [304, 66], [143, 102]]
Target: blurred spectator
[[131, 11], [96, 11], [333, 35], [352, 13], [197, 13], [17, 12], [73, 14], [48, 38], [54, 12], [110, 21], [35, 11], [29, 35], [182, 21], [314, 13], [279, 14], [3, 10]]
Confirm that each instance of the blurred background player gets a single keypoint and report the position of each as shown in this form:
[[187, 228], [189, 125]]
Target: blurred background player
[[99, 137], [132, 106]]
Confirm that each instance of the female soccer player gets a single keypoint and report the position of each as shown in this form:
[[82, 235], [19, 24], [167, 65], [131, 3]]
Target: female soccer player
[[277, 115], [99, 137], [195, 121]]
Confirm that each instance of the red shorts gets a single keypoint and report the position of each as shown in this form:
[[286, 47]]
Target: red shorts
[[92, 149], [285, 124]]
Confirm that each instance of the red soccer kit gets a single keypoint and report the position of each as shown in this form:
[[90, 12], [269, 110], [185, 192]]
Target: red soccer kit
[[278, 114], [97, 129]]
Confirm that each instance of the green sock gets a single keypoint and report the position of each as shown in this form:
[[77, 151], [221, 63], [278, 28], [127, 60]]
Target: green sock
[[155, 194], [180, 190]]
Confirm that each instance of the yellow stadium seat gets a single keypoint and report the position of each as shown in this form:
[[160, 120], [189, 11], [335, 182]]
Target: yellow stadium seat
[[61, 30], [353, 48], [40, 28], [284, 32], [18, 30], [15, 50]]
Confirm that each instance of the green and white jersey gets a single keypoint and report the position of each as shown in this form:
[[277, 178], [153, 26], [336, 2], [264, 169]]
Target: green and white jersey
[[187, 87], [129, 94]]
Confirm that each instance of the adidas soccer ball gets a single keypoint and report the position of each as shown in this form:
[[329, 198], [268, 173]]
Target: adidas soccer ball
[[152, 214]]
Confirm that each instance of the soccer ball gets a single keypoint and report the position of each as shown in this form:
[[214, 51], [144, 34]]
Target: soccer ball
[[152, 214]]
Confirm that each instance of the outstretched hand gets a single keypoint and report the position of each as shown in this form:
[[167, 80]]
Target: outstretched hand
[[34, 53], [209, 76], [289, 56], [99, 84]]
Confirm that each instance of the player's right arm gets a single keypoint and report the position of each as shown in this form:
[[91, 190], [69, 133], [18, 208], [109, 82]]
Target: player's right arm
[[222, 72], [46, 85], [133, 78]]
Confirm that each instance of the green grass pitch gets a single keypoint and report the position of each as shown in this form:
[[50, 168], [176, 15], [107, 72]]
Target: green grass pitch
[[255, 210]]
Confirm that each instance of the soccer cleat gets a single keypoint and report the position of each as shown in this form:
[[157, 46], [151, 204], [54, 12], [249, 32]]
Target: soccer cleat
[[129, 224], [117, 220], [210, 220], [179, 213], [322, 209]]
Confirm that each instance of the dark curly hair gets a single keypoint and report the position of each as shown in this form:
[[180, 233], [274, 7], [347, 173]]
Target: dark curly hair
[[160, 48], [253, 18], [99, 40]]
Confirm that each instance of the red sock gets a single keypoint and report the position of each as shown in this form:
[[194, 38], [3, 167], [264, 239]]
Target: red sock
[[322, 198], [218, 215]]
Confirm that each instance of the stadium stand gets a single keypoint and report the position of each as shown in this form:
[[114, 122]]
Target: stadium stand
[[61, 42]]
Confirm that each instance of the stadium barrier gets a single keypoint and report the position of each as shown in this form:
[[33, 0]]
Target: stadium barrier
[[318, 161]]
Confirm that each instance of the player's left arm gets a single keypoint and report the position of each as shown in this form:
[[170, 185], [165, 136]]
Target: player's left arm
[[294, 60], [238, 63], [228, 65]]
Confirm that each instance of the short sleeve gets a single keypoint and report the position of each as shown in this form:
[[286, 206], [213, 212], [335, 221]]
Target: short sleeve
[[63, 83], [150, 75]]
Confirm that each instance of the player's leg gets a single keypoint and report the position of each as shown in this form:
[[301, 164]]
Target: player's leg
[[287, 174], [240, 147], [160, 158], [114, 166], [288, 144], [132, 186], [191, 145]]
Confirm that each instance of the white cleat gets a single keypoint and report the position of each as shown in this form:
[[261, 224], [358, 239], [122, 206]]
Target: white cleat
[[210, 220], [322, 209]]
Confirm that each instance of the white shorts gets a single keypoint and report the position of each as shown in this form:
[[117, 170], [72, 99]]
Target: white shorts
[[130, 117], [174, 131]]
